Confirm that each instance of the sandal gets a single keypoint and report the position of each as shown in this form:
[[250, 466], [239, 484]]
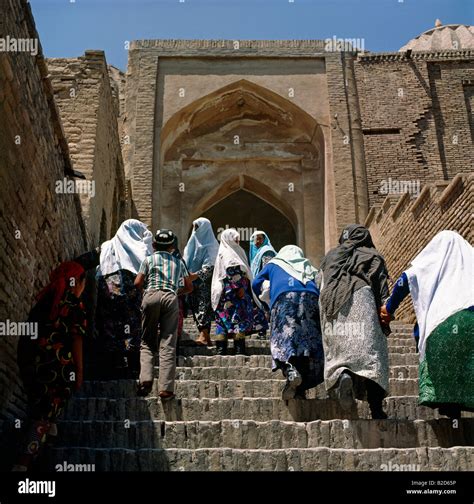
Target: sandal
[[144, 388], [204, 339], [166, 396]]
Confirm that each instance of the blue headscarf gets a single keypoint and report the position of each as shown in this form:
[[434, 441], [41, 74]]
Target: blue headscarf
[[201, 249], [256, 253]]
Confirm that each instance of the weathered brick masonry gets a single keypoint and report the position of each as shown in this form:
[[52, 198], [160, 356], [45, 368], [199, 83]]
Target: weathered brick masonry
[[401, 227], [39, 228], [56, 116], [89, 114], [416, 116], [368, 118]]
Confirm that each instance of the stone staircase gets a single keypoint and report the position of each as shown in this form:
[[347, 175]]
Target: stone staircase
[[229, 416]]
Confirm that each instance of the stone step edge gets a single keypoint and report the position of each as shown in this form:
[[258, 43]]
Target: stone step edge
[[342, 421], [352, 451], [151, 398], [230, 381]]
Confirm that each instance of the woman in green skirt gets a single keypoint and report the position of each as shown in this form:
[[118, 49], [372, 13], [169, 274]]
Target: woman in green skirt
[[440, 281]]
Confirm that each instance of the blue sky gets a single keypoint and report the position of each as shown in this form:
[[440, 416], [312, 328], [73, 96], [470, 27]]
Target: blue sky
[[67, 28]]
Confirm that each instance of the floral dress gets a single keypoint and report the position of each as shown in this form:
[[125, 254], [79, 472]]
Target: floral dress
[[47, 367], [46, 364], [236, 312]]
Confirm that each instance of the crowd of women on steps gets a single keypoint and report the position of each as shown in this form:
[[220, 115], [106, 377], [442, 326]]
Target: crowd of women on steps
[[326, 325]]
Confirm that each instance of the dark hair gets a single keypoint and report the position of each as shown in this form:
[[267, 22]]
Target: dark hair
[[159, 247]]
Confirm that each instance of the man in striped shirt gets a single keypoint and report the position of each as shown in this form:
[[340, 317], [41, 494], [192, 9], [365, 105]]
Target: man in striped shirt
[[162, 276]]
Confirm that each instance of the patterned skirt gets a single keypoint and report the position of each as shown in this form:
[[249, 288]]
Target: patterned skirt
[[355, 342], [447, 371], [296, 331], [239, 316]]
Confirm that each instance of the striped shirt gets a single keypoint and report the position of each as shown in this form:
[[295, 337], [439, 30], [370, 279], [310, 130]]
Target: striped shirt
[[162, 271]]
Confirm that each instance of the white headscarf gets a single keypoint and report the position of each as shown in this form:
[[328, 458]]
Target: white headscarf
[[201, 249], [291, 259], [127, 249], [441, 282], [230, 254]]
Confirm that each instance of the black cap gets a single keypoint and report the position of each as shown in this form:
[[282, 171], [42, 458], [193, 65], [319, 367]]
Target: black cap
[[165, 237]]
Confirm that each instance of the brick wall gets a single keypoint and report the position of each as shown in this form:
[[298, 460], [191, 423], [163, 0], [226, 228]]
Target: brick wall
[[140, 129], [90, 110], [415, 117], [39, 228], [401, 227], [338, 67], [451, 84]]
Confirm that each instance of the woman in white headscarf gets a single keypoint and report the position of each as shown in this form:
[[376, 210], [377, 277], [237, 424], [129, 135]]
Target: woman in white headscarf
[[440, 281], [236, 312], [295, 339], [118, 316], [200, 255]]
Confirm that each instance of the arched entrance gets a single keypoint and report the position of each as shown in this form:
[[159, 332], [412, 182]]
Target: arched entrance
[[247, 213], [243, 137]]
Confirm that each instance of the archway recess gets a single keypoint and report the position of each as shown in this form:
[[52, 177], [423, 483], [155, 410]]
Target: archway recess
[[247, 213], [242, 136]]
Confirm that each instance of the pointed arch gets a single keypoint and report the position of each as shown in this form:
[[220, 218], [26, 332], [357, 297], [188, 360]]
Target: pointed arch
[[280, 146], [246, 183], [241, 102]]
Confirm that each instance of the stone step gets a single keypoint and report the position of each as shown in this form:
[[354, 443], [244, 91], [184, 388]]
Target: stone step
[[259, 409], [296, 459], [396, 327], [403, 386], [261, 373], [404, 359], [236, 361], [224, 373], [401, 341], [403, 372], [275, 434], [260, 347], [224, 388], [251, 341], [396, 359], [403, 349], [190, 351]]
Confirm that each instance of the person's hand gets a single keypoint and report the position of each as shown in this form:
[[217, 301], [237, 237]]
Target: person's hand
[[385, 317], [193, 276], [241, 293]]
